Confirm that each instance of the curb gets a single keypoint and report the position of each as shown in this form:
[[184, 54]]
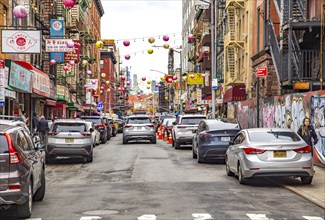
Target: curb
[[306, 196]]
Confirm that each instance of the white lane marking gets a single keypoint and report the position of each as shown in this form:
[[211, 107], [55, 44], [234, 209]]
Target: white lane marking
[[147, 217], [90, 218], [201, 216], [312, 218], [257, 216]]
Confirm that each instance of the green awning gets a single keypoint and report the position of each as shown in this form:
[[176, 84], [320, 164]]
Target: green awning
[[73, 105]]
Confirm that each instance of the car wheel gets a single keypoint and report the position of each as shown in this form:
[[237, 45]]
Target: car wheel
[[177, 145], [306, 180], [124, 141], [154, 140], [25, 210], [194, 154], [228, 171], [114, 134], [241, 177], [109, 137], [89, 158], [40, 193], [48, 159], [173, 142]]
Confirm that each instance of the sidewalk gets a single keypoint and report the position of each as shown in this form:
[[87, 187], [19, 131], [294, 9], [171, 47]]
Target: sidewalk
[[314, 192]]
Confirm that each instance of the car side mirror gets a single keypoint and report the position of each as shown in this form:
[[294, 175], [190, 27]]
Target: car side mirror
[[91, 130]]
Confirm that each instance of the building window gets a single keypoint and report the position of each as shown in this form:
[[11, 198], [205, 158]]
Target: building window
[[101, 62]]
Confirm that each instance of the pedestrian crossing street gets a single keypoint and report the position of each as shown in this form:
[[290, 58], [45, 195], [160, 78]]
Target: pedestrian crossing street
[[199, 216]]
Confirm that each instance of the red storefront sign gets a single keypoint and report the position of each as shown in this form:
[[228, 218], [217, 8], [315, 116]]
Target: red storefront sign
[[236, 93], [75, 54]]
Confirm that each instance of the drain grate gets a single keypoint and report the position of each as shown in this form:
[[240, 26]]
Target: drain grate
[[101, 212]]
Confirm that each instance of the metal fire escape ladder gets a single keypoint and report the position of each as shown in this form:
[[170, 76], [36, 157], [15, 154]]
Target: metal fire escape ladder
[[274, 48]]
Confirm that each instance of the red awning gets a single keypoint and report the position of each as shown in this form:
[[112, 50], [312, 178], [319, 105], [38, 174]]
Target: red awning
[[208, 98], [41, 81], [236, 93], [50, 102], [202, 55]]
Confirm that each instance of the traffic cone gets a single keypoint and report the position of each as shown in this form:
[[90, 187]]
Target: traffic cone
[[170, 139], [165, 137], [159, 135]]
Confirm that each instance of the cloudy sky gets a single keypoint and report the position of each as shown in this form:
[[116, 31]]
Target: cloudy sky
[[138, 20]]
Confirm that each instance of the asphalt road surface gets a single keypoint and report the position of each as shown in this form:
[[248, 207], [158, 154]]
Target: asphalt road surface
[[146, 182]]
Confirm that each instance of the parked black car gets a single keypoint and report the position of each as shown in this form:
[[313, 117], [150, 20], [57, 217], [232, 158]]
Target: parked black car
[[111, 122], [102, 127], [211, 139], [22, 168], [109, 128]]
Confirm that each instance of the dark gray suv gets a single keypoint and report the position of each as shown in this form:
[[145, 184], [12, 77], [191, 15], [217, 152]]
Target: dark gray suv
[[22, 169]]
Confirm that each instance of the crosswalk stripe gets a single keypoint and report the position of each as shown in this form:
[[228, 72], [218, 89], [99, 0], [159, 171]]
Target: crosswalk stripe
[[312, 217], [90, 218], [257, 216], [147, 217], [201, 216]]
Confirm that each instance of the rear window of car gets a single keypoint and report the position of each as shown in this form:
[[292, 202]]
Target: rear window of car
[[229, 132], [191, 121], [69, 127], [4, 144], [273, 136], [95, 120], [134, 121]]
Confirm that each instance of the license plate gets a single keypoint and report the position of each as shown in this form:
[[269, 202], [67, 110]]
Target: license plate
[[280, 154], [69, 140], [225, 138]]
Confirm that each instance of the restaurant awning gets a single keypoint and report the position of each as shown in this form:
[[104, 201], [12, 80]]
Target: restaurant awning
[[236, 93], [41, 81], [203, 55]]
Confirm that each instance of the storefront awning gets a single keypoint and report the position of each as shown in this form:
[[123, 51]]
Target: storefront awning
[[41, 81], [50, 102], [203, 55], [73, 106], [236, 93]]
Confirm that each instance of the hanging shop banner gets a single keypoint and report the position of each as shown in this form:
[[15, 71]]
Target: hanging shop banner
[[2, 82], [199, 96], [20, 78], [62, 93], [57, 56], [57, 28], [91, 84], [88, 96], [75, 54], [41, 83], [20, 41], [197, 79], [57, 45]]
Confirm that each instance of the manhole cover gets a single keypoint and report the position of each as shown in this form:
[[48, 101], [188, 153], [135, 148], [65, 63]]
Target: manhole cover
[[101, 212]]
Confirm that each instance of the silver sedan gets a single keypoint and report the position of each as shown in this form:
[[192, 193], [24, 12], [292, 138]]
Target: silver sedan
[[261, 152], [139, 127]]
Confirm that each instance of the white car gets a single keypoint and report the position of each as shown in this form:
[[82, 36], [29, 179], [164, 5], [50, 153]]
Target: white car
[[183, 129], [95, 134]]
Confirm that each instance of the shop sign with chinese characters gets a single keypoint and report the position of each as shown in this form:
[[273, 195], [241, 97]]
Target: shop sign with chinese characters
[[21, 41], [58, 45], [20, 78]]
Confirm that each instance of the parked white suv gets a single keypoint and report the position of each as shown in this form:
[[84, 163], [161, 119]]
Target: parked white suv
[[183, 129]]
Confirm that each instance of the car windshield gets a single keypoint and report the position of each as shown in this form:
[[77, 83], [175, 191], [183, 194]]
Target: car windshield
[[191, 121], [168, 121], [95, 120], [273, 136], [69, 127], [134, 121]]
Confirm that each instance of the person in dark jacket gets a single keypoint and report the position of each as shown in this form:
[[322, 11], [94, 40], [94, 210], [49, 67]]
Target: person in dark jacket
[[34, 122], [43, 125], [308, 133]]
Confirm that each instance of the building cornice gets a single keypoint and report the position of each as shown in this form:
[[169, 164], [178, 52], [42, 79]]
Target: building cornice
[[99, 7]]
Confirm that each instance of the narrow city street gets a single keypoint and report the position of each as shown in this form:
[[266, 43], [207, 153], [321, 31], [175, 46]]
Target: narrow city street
[[158, 182]]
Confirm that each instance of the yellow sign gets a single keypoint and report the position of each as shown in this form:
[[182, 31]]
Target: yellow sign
[[197, 79], [301, 85]]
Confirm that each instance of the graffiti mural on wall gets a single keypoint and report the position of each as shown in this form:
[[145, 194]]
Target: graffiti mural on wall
[[286, 111]]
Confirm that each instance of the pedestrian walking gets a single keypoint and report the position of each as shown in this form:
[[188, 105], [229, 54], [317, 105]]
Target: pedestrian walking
[[42, 128], [34, 123], [308, 133], [23, 117]]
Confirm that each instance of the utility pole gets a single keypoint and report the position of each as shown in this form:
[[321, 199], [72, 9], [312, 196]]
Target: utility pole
[[213, 60]]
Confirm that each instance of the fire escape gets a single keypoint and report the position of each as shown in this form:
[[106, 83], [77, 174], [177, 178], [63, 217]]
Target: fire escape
[[232, 43], [295, 53]]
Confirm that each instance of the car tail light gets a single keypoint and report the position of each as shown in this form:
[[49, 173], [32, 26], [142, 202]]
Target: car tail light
[[15, 158], [128, 126], [85, 133], [13, 187], [101, 126], [181, 126], [205, 135], [302, 150], [52, 133], [113, 125], [150, 126], [250, 150]]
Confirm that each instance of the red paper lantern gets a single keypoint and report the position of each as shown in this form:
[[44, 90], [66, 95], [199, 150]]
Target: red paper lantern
[[128, 83], [174, 77], [127, 57], [165, 38], [69, 3], [126, 43], [143, 78], [19, 11], [123, 77], [52, 62], [190, 37], [65, 68]]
